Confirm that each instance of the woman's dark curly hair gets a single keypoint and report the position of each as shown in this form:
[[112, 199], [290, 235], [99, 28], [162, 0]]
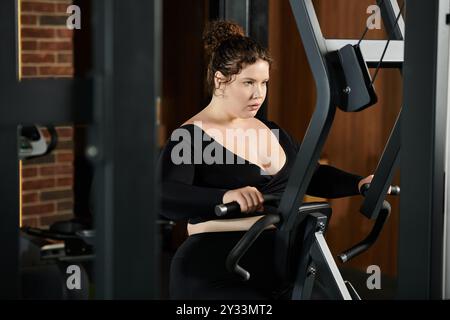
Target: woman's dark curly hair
[[229, 50]]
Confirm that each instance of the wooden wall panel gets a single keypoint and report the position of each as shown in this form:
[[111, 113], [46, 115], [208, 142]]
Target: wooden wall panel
[[291, 94], [183, 69]]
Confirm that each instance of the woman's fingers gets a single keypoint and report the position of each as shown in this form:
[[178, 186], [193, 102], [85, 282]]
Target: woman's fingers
[[253, 199], [260, 196], [261, 201], [248, 198], [248, 202]]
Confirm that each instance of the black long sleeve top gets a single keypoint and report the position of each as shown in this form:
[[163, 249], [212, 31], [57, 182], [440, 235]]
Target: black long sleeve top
[[191, 185]]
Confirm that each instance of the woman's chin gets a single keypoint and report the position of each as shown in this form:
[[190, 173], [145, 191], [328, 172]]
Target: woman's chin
[[250, 113]]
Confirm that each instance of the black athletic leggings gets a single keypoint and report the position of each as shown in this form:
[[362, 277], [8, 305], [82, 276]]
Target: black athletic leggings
[[198, 268]]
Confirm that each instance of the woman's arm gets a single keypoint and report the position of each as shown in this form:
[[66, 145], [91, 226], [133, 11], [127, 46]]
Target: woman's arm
[[183, 201], [330, 182], [180, 199]]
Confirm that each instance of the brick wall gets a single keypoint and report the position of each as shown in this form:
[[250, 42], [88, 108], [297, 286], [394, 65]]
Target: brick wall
[[47, 52]]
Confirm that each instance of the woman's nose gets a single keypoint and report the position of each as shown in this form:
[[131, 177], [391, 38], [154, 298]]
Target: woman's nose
[[258, 92]]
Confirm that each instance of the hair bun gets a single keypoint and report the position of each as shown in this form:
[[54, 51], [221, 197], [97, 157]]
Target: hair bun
[[218, 31]]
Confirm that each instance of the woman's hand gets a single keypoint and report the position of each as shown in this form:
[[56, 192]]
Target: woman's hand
[[368, 179], [249, 199]]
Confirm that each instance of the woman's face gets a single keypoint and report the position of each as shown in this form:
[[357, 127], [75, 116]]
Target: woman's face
[[245, 93]]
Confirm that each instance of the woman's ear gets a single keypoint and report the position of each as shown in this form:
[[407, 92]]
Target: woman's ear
[[219, 81]]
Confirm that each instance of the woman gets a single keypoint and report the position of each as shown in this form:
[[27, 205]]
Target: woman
[[202, 166]]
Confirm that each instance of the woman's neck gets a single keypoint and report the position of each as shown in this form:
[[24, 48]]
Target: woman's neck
[[216, 110]]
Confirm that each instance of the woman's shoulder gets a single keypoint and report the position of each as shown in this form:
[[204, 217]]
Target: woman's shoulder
[[192, 121], [186, 133], [269, 124], [198, 123], [198, 119]]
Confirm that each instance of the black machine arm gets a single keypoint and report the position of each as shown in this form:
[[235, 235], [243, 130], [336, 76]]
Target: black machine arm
[[225, 208], [250, 236], [245, 243], [376, 229], [272, 217]]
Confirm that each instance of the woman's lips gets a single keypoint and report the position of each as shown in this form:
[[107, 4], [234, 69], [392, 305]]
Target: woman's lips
[[254, 106]]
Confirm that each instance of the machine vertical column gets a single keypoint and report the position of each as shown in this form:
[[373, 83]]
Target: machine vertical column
[[123, 146], [9, 168], [423, 144]]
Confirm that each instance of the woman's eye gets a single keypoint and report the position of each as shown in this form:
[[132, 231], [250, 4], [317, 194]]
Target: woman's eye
[[248, 82]]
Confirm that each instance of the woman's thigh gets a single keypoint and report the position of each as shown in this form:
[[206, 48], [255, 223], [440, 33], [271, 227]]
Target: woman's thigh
[[198, 268]]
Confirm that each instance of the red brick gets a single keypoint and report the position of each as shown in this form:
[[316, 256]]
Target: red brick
[[64, 33], [39, 209], [28, 19], [29, 71], [30, 197], [65, 58], [62, 7], [29, 172], [66, 205], [64, 182], [52, 20], [56, 71], [65, 132], [38, 184], [56, 170], [65, 145], [56, 195], [37, 33], [38, 58], [64, 157], [37, 7], [55, 45], [50, 158], [30, 222], [29, 45]]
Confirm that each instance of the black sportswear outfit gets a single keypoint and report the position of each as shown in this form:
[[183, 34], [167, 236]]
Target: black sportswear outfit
[[191, 190]]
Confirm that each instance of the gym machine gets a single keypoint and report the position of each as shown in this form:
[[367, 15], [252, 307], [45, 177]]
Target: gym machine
[[342, 80]]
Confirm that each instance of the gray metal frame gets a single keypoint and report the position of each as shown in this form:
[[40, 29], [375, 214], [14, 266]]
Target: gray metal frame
[[120, 104], [446, 236], [252, 15], [421, 131], [390, 158], [9, 196], [420, 263], [317, 259], [124, 145], [389, 11], [237, 11], [318, 129], [372, 50], [316, 48]]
